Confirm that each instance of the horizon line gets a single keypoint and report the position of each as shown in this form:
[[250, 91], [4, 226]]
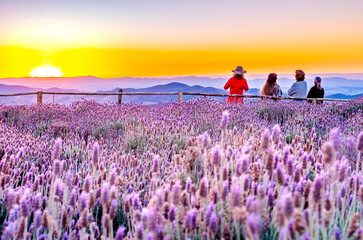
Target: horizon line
[[181, 76]]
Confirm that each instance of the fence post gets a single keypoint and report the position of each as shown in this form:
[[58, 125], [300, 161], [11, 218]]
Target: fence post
[[39, 97], [120, 97], [180, 97]]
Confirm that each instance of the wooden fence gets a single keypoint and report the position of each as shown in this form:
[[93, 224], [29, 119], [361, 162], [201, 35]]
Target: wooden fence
[[179, 94]]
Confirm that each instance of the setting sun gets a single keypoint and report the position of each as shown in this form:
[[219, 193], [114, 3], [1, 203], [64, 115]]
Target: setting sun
[[46, 71]]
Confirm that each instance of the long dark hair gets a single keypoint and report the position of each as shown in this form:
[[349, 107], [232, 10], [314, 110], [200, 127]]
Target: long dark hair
[[267, 89], [238, 76]]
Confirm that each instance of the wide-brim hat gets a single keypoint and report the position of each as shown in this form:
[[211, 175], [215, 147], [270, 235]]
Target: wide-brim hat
[[239, 70]]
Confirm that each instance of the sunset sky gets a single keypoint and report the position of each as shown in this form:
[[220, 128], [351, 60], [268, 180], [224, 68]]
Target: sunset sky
[[172, 38]]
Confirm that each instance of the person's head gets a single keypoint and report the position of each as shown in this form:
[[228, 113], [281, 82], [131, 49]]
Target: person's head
[[267, 89], [272, 78], [317, 82], [299, 75], [239, 72]]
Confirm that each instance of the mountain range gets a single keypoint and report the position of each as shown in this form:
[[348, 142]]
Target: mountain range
[[334, 87]]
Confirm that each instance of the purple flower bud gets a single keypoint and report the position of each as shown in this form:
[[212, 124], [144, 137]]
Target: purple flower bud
[[37, 219], [206, 140], [265, 139], [156, 164], [59, 190], [342, 171], [150, 236], [172, 213], [208, 213], [285, 155], [360, 142], [96, 152], [216, 156], [337, 234], [224, 120], [225, 190], [276, 131], [120, 233], [87, 184], [334, 138], [139, 232], [213, 223], [318, 185], [329, 153], [57, 167], [73, 199], [246, 184], [24, 205], [176, 192], [203, 188], [191, 219], [254, 223], [36, 201], [151, 216], [83, 202], [236, 195], [57, 148], [105, 194], [245, 163], [270, 198], [113, 209], [290, 165], [288, 206]]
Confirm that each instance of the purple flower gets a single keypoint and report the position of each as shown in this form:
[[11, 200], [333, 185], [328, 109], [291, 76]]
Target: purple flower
[[224, 120], [120, 233], [236, 195]]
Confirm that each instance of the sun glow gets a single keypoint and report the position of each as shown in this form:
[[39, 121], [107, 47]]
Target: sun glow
[[46, 71]]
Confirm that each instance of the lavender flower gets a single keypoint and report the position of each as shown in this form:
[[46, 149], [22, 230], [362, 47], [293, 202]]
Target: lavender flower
[[360, 142], [236, 195], [224, 120], [120, 233], [276, 131], [57, 148], [96, 152], [216, 156]]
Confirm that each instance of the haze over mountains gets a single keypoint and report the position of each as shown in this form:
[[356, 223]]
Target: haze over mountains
[[335, 87]]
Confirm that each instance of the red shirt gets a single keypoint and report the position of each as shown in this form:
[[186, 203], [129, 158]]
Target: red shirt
[[236, 87]]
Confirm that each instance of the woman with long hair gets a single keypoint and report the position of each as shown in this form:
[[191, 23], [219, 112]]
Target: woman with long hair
[[237, 84], [271, 88]]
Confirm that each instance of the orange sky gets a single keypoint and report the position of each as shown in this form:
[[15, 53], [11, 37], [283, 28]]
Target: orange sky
[[123, 38]]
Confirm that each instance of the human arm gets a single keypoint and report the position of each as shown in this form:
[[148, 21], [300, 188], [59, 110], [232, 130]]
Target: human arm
[[227, 85], [292, 91], [245, 86]]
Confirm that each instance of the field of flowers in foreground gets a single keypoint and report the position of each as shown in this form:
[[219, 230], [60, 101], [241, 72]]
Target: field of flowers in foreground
[[193, 170]]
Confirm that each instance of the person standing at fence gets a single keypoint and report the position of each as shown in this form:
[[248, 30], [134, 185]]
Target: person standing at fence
[[300, 87], [316, 91], [271, 88], [237, 84]]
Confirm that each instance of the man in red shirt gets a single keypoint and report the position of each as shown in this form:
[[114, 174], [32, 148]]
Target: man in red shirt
[[237, 84]]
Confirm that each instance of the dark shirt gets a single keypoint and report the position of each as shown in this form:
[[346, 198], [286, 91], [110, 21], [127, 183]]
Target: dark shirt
[[315, 92]]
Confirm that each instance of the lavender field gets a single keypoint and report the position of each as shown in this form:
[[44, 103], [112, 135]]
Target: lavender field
[[200, 169]]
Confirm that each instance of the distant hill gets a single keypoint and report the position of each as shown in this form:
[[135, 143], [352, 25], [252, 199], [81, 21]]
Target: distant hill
[[333, 84], [145, 99], [343, 96], [171, 87]]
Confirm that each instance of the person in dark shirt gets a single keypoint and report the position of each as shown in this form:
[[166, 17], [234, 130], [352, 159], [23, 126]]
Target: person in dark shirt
[[316, 91]]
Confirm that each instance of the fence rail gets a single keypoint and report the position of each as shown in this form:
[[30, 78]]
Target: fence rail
[[179, 94]]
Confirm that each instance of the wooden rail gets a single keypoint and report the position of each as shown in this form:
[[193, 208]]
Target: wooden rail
[[179, 94]]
